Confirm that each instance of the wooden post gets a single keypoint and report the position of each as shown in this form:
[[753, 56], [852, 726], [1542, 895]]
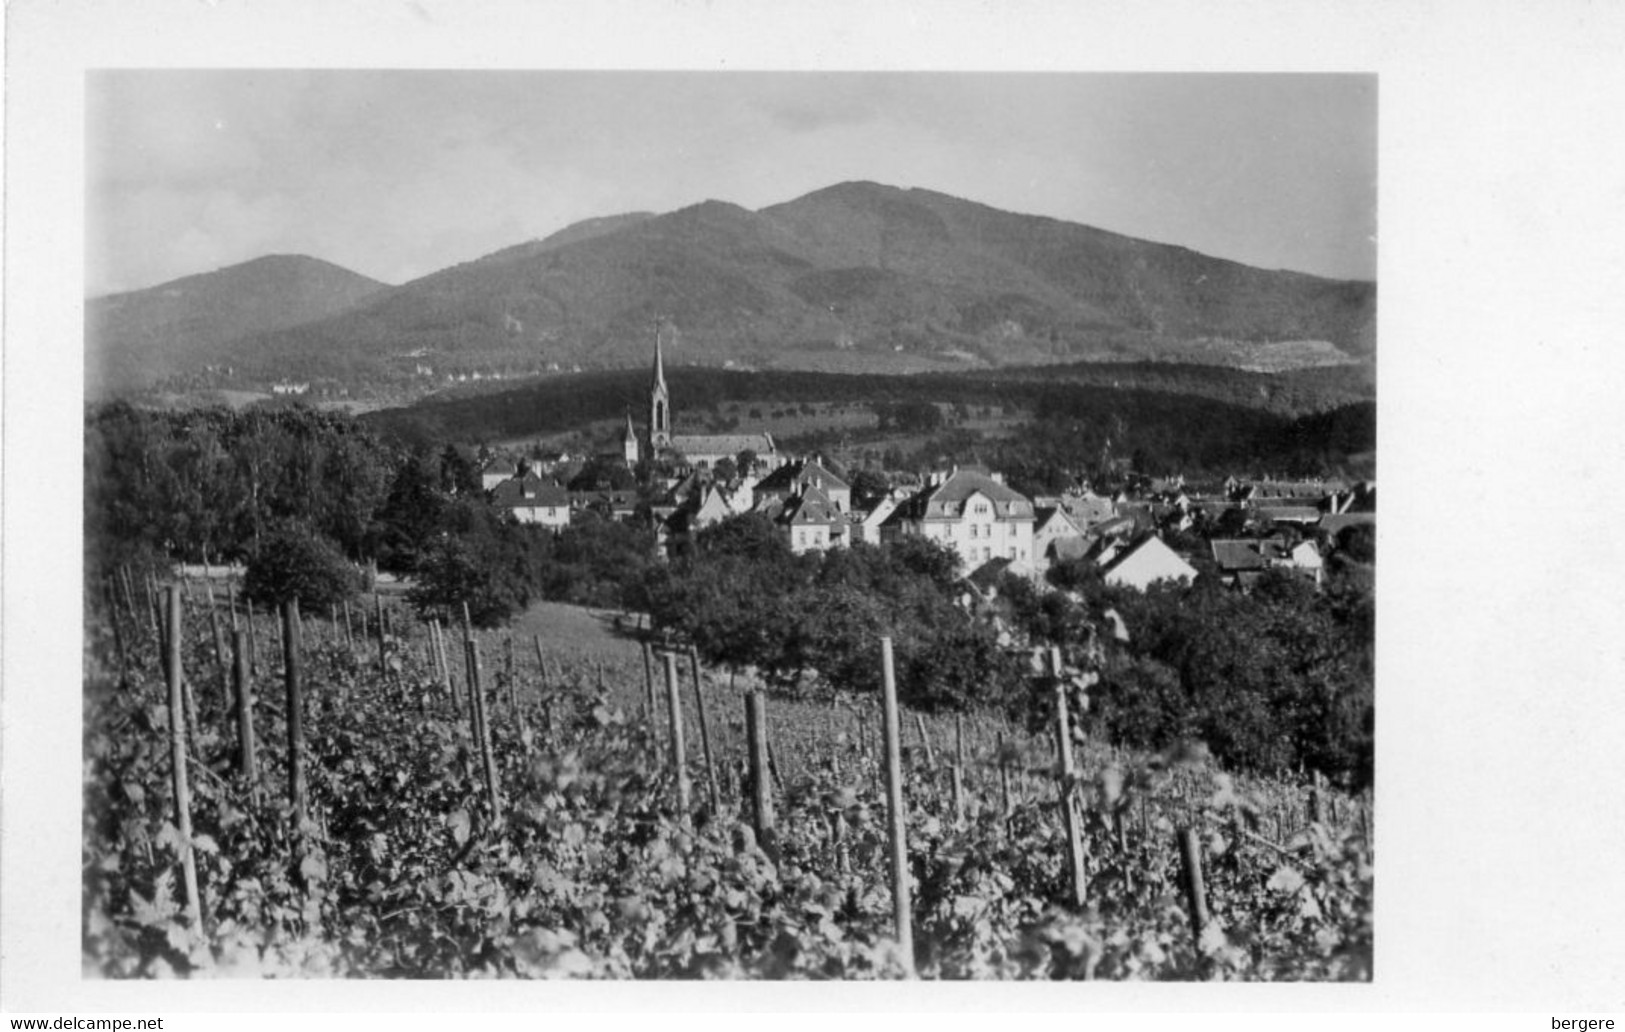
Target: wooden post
[[291, 673], [445, 667], [383, 656], [959, 768], [1065, 793], [925, 742], [177, 756], [1190, 855], [705, 732], [679, 755], [243, 692], [761, 790], [902, 920], [118, 630], [214, 631], [476, 693], [253, 637], [349, 636], [773, 764], [123, 579], [649, 686], [510, 669], [1004, 777], [158, 616]]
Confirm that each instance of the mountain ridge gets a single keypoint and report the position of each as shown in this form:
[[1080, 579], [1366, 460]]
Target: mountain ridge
[[856, 275], [137, 335]]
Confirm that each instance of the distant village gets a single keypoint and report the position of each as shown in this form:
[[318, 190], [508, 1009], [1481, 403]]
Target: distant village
[[1144, 530]]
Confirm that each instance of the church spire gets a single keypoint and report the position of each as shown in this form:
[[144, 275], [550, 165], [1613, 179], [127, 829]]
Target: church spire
[[660, 367], [659, 403], [629, 441]]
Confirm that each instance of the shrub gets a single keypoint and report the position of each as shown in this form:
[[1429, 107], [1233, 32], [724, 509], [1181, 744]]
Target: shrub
[[297, 564]]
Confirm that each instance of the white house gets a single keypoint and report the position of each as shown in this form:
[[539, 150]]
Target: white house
[[534, 500], [1144, 562], [810, 521], [1051, 524], [973, 513]]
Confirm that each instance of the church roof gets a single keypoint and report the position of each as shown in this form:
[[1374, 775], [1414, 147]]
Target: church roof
[[722, 444]]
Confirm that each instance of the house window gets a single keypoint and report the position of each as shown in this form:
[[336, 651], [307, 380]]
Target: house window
[[981, 508]]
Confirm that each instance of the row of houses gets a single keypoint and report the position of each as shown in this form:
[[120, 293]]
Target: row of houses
[[969, 510]]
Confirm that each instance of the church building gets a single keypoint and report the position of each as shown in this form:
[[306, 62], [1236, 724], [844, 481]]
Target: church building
[[697, 450]]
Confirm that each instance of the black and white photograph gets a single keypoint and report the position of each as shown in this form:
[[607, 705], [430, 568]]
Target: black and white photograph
[[595, 519], [730, 525]]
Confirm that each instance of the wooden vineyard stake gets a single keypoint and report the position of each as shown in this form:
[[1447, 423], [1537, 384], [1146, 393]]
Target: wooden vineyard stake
[[214, 632], [349, 638], [761, 790], [445, 667], [253, 637], [333, 621], [482, 729], [679, 754], [959, 769], [291, 678], [1190, 856], [541, 661], [383, 656], [773, 764], [155, 618], [159, 616], [1004, 777], [925, 743], [118, 631], [1064, 786], [277, 630], [510, 672], [649, 689], [705, 732], [122, 580], [902, 920], [177, 756], [243, 690], [959, 740]]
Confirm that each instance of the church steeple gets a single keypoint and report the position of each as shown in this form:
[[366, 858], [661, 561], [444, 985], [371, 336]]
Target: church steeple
[[659, 402], [629, 442]]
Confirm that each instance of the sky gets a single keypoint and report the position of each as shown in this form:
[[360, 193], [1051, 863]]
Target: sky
[[396, 174]]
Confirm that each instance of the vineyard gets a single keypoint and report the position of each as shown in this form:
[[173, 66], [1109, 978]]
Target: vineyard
[[362, 793]]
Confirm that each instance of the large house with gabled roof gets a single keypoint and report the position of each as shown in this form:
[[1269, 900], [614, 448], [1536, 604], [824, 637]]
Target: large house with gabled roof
[[533, 500], [792, 478], [971, 511]]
